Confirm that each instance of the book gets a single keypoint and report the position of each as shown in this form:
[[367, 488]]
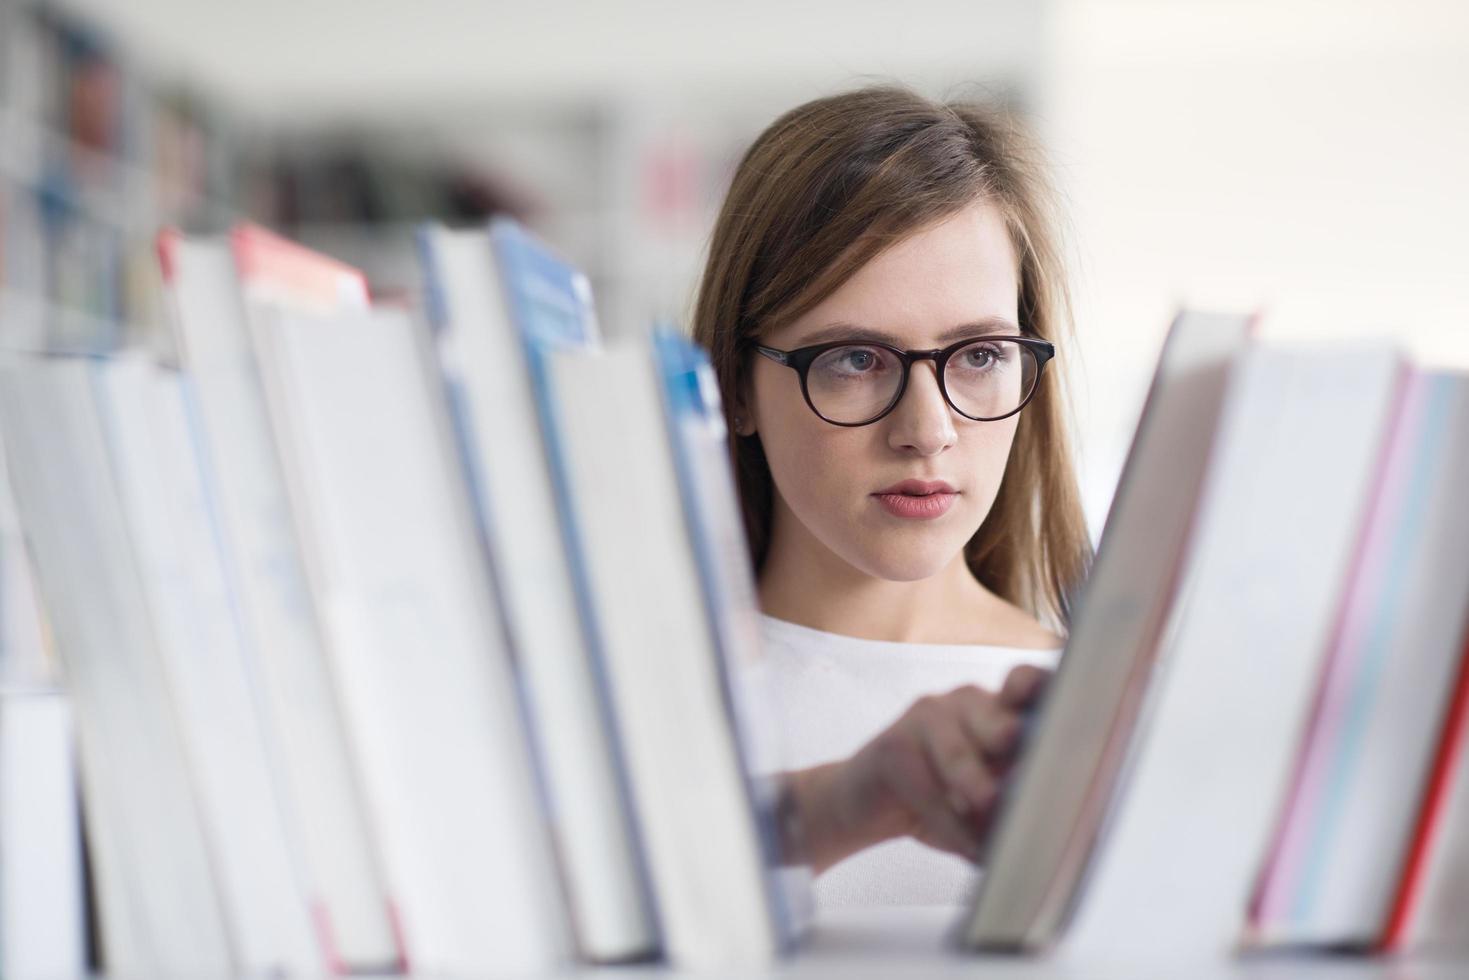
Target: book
[[26, 658], [1431, 901], [159, 903], [1052, 813], [1298, 454], [700, 828], [264, 563], [211, 683], [43, 913], [487, 376], [427, 687], [1347, 825], [699, 438]]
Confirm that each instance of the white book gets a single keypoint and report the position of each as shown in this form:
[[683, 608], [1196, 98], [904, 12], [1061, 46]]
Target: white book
[[1299, 449], [215, 690], [1073, 763], [43, 915], [401, 583], [1378, 721], [263, 562], [700, 827], [485, 367], [25, 657], [160, 908]]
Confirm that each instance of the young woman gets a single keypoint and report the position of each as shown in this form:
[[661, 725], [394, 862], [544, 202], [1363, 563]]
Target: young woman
[[884, 302]]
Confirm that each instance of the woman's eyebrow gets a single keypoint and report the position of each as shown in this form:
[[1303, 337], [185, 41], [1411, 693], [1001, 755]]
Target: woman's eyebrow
[[851, 331]]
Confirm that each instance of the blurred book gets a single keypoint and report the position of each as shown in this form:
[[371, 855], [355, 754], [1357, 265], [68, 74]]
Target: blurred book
[[427, 685], [1347, 827], [1431, 903], [214, 285], [699, 438], [158, 897], [43, 914], [1297, 458], [27, 658], [474, 279], [1072, 764], [702, 831], [213, 685]]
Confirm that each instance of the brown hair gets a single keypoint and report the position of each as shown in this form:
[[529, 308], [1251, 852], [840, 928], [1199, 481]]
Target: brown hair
[[823, 190]]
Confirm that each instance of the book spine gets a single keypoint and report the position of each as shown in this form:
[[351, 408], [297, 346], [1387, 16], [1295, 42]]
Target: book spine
[[1448, 764], [1299, 820]]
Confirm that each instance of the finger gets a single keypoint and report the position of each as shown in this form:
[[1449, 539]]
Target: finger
[[998, 733], [912, 777], [915, 781], [994, 729], [971, 789], [1024, 684], [941, 828]]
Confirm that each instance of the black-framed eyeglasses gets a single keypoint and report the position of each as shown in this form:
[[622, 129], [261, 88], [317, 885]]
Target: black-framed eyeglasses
[[852, 383]]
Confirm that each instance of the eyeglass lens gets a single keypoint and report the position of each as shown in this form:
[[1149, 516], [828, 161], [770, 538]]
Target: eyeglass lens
[[856, 383]]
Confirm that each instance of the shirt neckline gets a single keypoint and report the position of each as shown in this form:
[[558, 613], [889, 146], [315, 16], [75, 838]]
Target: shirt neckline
[[797, 631]]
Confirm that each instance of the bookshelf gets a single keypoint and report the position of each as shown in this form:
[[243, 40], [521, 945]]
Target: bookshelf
[[909, 942], [95, 156]]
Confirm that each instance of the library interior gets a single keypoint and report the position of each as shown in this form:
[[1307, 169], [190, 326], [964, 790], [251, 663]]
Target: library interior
[[390, 564]]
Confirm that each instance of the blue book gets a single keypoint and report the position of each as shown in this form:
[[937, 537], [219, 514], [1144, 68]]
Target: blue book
[[699, 439], [550, 304]]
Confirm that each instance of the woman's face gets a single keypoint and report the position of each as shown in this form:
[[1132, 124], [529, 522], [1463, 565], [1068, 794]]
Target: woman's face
[[953, 279]]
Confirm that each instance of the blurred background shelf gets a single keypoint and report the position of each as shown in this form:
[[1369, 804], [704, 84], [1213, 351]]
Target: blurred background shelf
[[1226, 154]]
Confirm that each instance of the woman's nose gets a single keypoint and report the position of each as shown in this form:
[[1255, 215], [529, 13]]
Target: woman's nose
[[922, 422]]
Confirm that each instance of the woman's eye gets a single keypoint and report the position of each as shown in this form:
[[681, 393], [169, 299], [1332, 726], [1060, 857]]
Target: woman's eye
[[850, 361], [980, 357], [852, 364]]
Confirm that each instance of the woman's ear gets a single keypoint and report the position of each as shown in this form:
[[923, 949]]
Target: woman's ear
[[744, 424], [742, 419]]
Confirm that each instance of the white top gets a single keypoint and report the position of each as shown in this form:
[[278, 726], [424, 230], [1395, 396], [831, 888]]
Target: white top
[[834, 693]]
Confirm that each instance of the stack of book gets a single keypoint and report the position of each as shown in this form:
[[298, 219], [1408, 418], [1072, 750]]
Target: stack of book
[[378, 660], [399, 642], [1256, 739]]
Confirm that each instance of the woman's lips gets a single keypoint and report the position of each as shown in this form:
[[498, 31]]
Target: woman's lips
[[922, 507]]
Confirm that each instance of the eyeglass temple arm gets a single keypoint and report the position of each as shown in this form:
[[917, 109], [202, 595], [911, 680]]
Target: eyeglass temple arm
[[778, 356]]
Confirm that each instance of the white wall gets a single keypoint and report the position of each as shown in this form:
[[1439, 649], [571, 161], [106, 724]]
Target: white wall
[[1308, 158], [380, 58]]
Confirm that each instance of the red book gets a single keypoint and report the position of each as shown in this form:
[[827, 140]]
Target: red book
[[276, 268]]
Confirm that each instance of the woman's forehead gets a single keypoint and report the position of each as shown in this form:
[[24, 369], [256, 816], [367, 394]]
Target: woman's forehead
[[933, 284]]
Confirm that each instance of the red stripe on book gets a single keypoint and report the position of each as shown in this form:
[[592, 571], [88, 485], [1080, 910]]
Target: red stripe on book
[[1431, 815], [396, 922], [328, 939], [167, 245]]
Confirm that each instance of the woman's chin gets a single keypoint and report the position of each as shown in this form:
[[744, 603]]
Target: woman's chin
[[896, 566]]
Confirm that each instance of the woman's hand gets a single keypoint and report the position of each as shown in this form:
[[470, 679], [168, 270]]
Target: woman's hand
[[934, 775]]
